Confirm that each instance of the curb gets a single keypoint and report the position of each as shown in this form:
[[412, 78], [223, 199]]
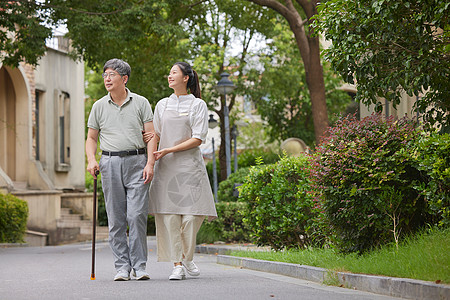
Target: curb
[[13, 245], [389, 286], [383, 285], [214, 249]]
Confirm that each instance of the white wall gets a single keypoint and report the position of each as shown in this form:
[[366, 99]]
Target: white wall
[[56, 73]]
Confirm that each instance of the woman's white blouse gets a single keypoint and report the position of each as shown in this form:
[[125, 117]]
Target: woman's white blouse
[[198, 113]]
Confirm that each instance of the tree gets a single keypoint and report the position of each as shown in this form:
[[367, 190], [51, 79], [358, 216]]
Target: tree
[[146, 34], [151, 35], [142, 32], [280, 94], [221, 26], [22, 33], [309, 46], [391, 47]]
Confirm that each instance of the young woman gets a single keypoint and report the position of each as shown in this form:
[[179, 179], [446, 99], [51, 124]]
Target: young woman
[[180, 193]]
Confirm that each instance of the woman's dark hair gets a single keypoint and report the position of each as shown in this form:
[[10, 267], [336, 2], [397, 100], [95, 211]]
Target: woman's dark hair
[[193, 84]]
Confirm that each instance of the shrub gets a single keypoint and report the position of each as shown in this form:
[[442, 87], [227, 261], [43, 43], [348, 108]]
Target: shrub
[[246, 158], [227, 187], [151, 226], [281, 210], [228, 227], [13, 218], [365, 175], [433, 158]]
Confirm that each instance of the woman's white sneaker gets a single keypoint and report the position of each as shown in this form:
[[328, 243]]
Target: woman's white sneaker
[[177, 273], [191, 268]]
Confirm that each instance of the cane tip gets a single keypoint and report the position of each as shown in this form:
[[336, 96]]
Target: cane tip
[[92, 277]]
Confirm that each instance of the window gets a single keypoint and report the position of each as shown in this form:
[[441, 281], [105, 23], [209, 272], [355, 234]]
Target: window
[[62, 131], [37, 124]]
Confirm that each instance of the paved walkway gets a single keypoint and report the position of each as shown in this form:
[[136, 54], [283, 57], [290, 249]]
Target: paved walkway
[[63, 272]]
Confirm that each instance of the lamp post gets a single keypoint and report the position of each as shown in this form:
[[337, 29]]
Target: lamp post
[[224, 87], [212, 123], [234, 134]]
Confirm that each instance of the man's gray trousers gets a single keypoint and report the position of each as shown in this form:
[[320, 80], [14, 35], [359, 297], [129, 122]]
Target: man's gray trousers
[[126, 199]]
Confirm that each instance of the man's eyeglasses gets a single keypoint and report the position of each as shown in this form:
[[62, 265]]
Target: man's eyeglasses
[[111, 75]]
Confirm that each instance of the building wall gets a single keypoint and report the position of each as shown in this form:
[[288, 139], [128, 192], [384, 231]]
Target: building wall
[[59, 85], [30, 149], [405, 108], [42, 138], [14, 126]]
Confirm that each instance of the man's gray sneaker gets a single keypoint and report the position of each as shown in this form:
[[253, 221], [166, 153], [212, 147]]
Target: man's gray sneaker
[[122, 275], [140, 274]]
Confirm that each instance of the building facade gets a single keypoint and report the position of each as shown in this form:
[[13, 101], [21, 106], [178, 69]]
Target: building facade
[[42, 156]]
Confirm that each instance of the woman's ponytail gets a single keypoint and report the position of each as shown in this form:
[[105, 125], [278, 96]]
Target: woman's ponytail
[[195, 86]]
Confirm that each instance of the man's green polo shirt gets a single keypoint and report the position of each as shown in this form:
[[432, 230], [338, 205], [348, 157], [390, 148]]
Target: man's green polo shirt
[[120, 128]]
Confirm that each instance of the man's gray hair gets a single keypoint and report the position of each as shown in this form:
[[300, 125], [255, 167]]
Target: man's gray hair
[[118, 65]]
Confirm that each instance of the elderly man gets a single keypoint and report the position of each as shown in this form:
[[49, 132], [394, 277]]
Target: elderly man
[[117, 121]]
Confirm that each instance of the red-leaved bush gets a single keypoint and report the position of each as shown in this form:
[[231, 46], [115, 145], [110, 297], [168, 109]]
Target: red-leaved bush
[[364, 175]]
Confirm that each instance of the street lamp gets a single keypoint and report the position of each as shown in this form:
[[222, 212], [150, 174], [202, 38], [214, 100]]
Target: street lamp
[[212, 123], [224, 87]]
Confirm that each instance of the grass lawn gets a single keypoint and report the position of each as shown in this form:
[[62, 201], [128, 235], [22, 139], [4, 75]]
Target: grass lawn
[[424, 257]]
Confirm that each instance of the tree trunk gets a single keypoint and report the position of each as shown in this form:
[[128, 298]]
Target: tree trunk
[[310, 52], [222, 155], [316, 87]]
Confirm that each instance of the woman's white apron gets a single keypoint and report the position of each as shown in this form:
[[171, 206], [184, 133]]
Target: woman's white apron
[[180, 184]]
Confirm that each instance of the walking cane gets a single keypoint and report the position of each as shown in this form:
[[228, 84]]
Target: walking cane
[[94, 217]]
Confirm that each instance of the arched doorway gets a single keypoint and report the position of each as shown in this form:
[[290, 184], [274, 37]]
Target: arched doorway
[[7, 127], [14, 127]]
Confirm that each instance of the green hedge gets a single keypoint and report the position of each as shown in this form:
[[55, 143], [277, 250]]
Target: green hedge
[[433, 159], [228, 227], [246, 158], [151, 226], [13, 219], [227, 187], [281, 212]]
